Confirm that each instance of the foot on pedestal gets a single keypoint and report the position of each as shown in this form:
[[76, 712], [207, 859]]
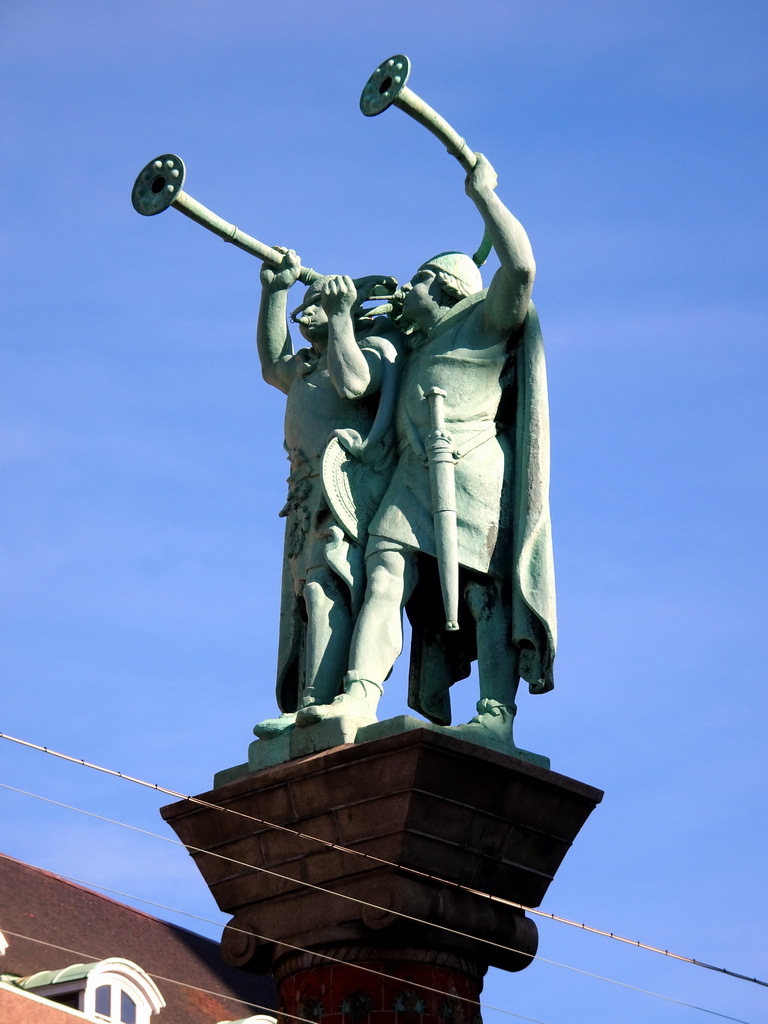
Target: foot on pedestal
[[492, 724], [271, 727], [359, 701]]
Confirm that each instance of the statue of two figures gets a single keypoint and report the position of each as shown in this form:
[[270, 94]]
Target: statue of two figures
[[418, 444]]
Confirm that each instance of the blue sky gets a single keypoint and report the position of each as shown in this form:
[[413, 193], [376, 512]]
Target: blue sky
[[141, 451]]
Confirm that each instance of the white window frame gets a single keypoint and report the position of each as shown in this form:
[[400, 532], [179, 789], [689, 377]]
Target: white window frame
[[122, 976]]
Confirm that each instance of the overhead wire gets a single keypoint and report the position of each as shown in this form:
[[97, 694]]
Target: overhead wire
[[299, 949], [368, 856], [175, 842], [483, 1005], [159, 977], [273, 874]]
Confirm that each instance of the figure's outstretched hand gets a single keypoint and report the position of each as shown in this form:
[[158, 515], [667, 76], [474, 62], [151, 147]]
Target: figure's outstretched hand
[[338, 295], [482, 179], [286, 274]]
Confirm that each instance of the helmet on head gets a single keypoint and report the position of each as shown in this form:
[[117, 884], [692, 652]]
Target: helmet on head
[[458, 273]]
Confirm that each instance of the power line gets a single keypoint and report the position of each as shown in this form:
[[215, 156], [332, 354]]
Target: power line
[[184, 913], [159, 977], [274, 874], [234, 928], [552, 963], [379, 860], [297, 949]]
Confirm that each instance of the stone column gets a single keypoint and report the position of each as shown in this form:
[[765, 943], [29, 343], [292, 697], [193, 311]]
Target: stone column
[[444, 823]]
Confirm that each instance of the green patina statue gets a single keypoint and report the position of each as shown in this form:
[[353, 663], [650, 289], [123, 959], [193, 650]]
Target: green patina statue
[[462, 533], [340, 454], [419, 471]]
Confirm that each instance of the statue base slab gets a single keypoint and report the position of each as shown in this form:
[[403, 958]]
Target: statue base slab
[[471, 734], [301, 741]]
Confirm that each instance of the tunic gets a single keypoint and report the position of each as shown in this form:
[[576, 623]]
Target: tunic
[[496, 410], [313, 411], [472, 365]]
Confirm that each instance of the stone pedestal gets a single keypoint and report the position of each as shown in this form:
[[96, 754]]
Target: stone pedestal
[[442, 822]]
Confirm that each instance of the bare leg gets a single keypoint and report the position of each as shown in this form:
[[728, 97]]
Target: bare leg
[[328, 631], [378, 637], [329, 628], [497, 659]]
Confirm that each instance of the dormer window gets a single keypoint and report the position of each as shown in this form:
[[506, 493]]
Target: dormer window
[[113, 990]]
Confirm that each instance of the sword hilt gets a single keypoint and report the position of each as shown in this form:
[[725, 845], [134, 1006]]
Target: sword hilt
[[436, 398]]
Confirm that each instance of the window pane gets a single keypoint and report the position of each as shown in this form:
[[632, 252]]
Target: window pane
[[104, 1000], [127, 1009]]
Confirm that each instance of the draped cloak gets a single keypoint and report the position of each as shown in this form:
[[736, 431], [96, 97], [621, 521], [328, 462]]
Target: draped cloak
[[507, 535]]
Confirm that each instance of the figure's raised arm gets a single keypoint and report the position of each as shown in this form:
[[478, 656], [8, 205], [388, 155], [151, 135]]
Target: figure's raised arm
[[273, 338], [510, 290], [354, 373]]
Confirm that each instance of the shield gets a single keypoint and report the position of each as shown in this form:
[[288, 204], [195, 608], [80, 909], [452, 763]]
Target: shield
[[353, 488]]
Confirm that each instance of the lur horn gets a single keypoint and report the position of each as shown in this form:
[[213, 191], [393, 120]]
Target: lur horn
[[160, 185], [387, 87]]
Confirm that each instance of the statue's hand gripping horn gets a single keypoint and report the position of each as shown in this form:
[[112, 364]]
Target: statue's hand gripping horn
[[160, 185], [387, 87]]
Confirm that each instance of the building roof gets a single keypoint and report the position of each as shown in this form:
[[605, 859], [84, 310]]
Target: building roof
[[52, 912], [22, 1007], [75, 972]]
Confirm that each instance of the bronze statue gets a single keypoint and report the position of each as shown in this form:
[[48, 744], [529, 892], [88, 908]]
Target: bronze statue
[[323, 571], [419, 455], [481, 351]]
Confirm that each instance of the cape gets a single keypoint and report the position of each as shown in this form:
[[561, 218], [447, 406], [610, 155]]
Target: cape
[[440, 658]]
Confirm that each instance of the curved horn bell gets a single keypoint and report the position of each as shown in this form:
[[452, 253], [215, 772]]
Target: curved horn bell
[[387, 87], [160, 185]]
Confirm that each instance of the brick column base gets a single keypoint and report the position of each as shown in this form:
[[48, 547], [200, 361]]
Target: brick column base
[[422, 987]]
